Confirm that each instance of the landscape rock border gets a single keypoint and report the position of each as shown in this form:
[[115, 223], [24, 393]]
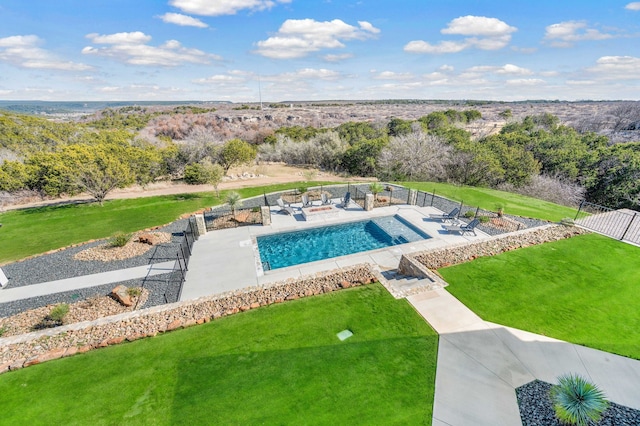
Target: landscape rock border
[[21, 351]]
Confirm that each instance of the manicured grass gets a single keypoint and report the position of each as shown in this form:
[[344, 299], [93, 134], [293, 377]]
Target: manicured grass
[[37, 230], [583, 290], [281, 364], [488, 199]]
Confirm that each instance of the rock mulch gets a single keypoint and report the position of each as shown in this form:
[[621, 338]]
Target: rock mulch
[[89, 309], [32, 348], [536, 408], [138, 245]]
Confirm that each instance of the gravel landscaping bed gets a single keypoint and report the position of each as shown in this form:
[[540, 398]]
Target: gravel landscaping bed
[[162, 289], [61, 264], [536, 408]]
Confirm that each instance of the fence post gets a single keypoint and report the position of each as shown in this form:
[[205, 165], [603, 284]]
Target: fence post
[[579, 209], [628, 226], [477, 211], [433, 195], [266, 201]]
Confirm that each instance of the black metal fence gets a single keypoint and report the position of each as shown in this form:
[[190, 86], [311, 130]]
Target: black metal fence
[[491, 222], [623, 224], [174, 280]]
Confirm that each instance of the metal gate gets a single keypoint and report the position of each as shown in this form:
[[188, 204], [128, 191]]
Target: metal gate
[[622, 224]]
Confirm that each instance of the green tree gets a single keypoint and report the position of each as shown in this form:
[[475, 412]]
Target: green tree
[[236, 152], [398, 127], [361, 158]]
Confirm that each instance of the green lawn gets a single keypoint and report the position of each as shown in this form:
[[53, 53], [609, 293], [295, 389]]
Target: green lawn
[[583, 290], [281, 364], [37, 230], [487, 199]]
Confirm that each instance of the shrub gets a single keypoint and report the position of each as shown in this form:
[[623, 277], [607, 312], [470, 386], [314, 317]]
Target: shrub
[[134, 291], [119, 240], [469, 214], [195, 174], [567, 221], [483, 219], [577, 401], [58, 313], [3, 330]]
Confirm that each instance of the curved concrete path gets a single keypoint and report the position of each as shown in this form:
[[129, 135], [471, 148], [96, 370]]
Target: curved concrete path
[[480, 364]]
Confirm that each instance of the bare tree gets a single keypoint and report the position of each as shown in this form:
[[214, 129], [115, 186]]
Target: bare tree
[[415, 156]]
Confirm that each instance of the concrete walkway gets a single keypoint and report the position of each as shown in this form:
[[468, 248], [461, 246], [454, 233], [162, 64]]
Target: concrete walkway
[[84, 281], [480, 364]]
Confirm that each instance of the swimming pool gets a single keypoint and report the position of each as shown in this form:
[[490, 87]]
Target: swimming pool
[[296, 247]]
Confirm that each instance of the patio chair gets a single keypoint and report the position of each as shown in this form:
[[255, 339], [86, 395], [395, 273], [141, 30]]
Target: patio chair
[[305, 201], [325, 199], [346, 200], [446, 216], [470, 227], [283, 206]]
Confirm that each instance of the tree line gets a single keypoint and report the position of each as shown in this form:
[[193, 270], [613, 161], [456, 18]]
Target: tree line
[[537, 155]]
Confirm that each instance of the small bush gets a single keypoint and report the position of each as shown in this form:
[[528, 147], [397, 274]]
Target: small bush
[[469, 214], [134, 291], [2, 331], [119, 240], [58, 313], [483, 219], [195, 174], [577, 401], [567, 221]]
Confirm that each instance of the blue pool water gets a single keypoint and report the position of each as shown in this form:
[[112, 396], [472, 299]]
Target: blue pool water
[[309, 245]]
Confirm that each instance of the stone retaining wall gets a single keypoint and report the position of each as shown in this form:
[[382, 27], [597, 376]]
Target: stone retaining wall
[[33, 348], [440, 258]]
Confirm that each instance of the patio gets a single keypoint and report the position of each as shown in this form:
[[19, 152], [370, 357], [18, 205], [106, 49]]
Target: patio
[[228, 259]]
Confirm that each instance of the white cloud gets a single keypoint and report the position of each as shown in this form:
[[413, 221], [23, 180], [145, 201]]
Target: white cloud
[[633, 6], [478, 26], [310, 74], [223, 7], [299, 37], [420, 46], [485, 34], [391, 75], [513, 69], [132, 48], [23, 51], [182, 20], [337, 57], [525, 82], [617, 68], [221, 79], [565, 34], [447, 68]]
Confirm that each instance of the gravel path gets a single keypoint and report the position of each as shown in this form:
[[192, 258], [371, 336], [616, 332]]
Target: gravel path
[[162, 288], [536, 408]]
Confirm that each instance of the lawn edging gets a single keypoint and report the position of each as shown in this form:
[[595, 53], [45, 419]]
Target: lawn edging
[[28, 349]]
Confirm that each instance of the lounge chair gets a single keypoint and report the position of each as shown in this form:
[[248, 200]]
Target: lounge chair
[[470, 227], [283, 206], [446, 216], [325, 199], [305, 201], [346, 200]]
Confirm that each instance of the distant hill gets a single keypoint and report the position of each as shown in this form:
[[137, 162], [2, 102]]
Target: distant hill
[[77, 107]]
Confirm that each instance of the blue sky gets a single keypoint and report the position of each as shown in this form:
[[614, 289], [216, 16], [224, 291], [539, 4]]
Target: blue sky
[[319, 50]]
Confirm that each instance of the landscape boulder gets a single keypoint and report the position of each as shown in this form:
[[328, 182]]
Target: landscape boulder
[[151, 239], [121, 294]]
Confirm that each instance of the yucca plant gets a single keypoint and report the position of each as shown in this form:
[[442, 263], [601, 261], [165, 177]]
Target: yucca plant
[[375, 188], [234, 201], [577, 401]]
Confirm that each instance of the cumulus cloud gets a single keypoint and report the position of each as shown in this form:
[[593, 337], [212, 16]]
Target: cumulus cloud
[[478, 26], [23, 51], [337, 57], [310, 74], [391, 75], [507, 69], [525, 81], [565, 34], [132, 48], [617, 68], [182, 20], [297, 38], [635, 6], [483, 33], [223, 7]]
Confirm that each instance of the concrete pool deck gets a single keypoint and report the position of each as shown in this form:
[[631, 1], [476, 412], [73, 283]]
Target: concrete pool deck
[[227, 259]]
